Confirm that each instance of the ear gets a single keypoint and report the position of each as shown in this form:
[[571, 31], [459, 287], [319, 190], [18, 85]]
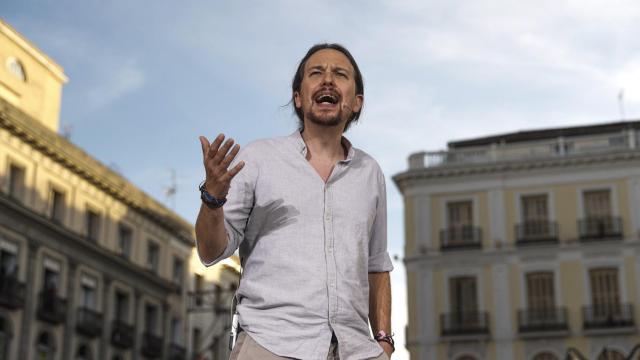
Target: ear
[[297, 101], [358, 105]]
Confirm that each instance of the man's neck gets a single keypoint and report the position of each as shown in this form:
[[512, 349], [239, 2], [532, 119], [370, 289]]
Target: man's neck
[[324, 143]]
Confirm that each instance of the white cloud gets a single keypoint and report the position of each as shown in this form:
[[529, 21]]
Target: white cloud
[[123, 78]]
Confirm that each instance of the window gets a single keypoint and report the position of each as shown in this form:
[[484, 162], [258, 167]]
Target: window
[[540, 293], [51, 280], [88, 292], [16, 181], [45, 346], [57, 206], [16, 69], [460, 230], [153, 256], [8, 263], [125, 234], [597, 203], [150, 318], [178, 270], [463, 296], [459, 214], [176, 331], [83, 353], [605, 295], [5, 337], [534, 208], [121, 312], [93, 225], [195, 342], [199, 287]]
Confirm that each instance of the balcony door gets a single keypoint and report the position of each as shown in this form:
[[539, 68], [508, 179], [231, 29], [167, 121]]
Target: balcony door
[[535, 215], [464, 300], [605, 292], [460, 222], [597, 203], [540, 292]]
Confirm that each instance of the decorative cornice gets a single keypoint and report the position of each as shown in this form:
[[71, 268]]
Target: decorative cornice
[[415, 176], [84, 165]]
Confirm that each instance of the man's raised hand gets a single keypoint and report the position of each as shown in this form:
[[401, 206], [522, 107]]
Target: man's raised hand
[[217, 158]]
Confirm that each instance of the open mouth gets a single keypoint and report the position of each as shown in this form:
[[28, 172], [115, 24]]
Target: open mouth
[[325, 98]]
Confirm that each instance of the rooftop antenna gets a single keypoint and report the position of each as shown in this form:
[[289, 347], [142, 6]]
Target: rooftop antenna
[[170, 191], [621, 103], [67, 129]]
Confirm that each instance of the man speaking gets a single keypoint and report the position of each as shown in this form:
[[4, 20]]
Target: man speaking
[[308, 213]]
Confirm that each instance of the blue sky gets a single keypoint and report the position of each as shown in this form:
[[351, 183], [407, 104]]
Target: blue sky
[[148, 77]]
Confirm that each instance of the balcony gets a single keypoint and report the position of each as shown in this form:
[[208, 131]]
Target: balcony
[[536, 232], [177, 352], [466, 325], [550, 322], [89, 322], [600, 228], [122, 334], [12, 293], [608, 318], [461, 238], [151, 346], [52, 308]]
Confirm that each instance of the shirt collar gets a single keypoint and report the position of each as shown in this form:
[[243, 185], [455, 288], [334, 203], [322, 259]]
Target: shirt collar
[[302, 147]]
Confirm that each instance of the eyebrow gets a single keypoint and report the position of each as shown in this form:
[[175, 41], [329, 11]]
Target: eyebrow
[[322, 67]]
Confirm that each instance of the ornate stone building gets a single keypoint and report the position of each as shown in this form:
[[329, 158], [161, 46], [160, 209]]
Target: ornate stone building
[[523, 245], [90, 266]]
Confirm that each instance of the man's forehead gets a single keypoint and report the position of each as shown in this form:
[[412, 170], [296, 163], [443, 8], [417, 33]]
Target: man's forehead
[[330, 57]]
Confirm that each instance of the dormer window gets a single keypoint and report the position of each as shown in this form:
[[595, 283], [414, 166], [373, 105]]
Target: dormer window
[[15, 67]]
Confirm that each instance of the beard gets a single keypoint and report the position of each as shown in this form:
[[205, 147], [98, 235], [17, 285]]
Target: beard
[[324, 120]]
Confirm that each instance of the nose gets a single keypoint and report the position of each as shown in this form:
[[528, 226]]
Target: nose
[[328, 78]]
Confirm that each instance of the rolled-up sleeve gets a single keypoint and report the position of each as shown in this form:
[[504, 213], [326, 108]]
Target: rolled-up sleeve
[[239, 203], [379, 259]]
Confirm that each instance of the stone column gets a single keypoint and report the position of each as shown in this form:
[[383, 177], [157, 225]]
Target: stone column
[[69, 327], [30, 302], [166, 329], [106, 327]]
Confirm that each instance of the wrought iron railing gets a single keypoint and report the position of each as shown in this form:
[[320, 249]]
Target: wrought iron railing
[[537, 232], [600, 228], [605, 316], [461, 237], [542, 320], [465, 323]]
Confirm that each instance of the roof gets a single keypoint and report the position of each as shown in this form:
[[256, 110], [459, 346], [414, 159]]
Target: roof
[[84, 165], [544, 134]]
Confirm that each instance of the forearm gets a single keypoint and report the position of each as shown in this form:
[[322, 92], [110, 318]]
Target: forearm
[[380, 302], [211, 234]]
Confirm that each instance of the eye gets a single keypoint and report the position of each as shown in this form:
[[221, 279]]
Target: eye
[[343, 75], [314, 72]]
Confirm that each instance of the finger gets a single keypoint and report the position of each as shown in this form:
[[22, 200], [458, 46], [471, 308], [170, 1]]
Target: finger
[[230, 156], [205, 146], [213, 149], [235, 170], [222, 152]]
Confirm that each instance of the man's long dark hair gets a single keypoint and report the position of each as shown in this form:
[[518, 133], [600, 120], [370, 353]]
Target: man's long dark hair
[[297, 80]]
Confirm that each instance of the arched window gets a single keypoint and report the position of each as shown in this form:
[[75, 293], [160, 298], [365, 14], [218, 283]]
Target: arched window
[[83, 353], [545, 356], [5, 337], [611, 355], [15, 67], [45, 346]]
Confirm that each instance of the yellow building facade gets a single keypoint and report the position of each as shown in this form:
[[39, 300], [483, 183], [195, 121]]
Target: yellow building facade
[[90, 266], [523, 245]]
